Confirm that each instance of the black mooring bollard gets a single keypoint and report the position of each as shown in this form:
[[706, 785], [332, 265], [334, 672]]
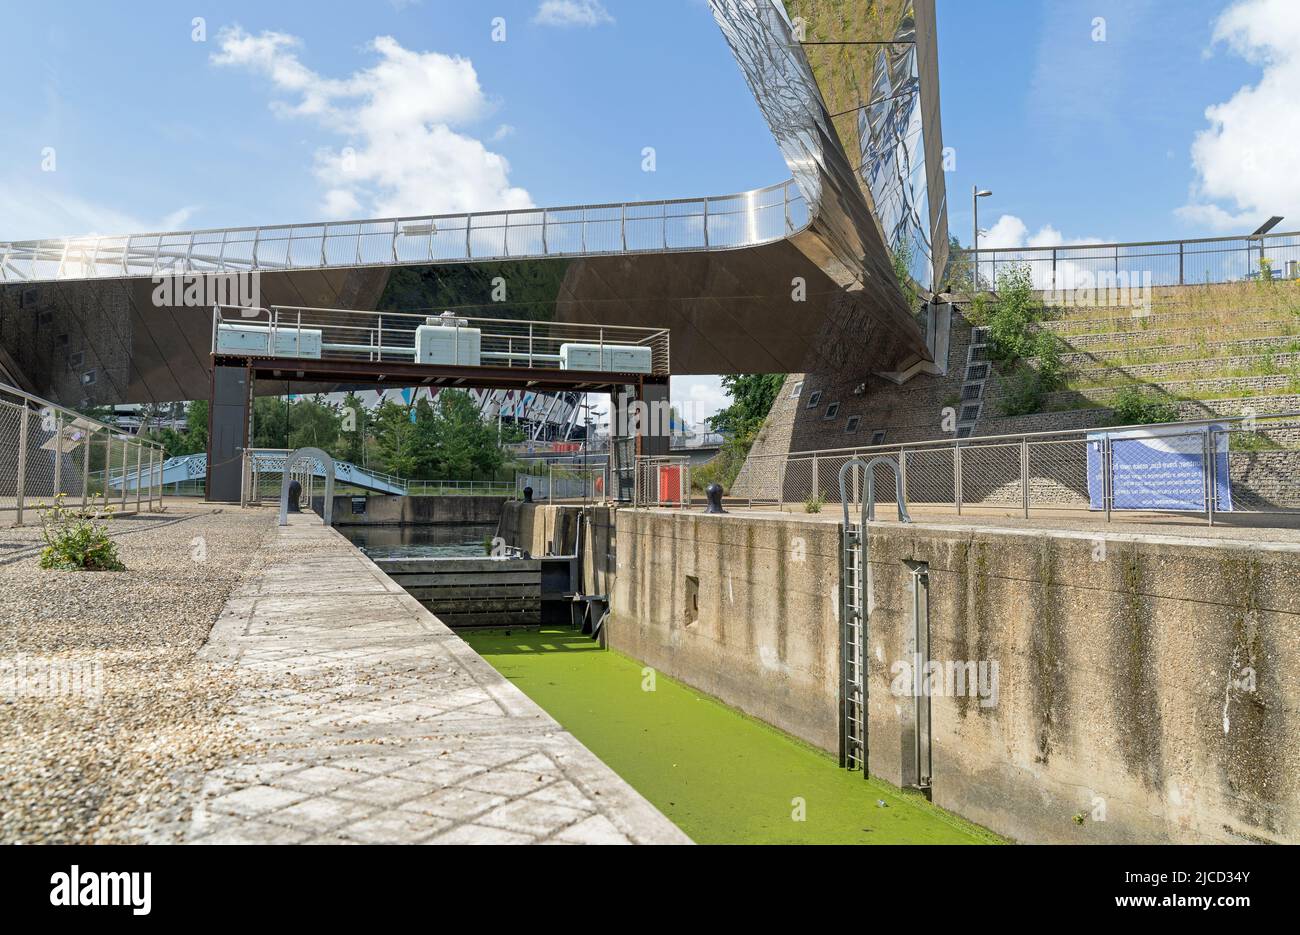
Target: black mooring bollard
[[295, 494], [528, 495], [714, 494]]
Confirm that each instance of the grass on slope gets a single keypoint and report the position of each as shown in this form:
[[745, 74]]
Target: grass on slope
[[722, 777]]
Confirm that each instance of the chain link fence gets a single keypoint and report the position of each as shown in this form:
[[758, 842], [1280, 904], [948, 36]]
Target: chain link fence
[[47, 451], [662, 481], [1247, 464], [559, 481]]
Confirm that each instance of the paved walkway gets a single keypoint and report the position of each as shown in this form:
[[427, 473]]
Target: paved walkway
[[377, 724]]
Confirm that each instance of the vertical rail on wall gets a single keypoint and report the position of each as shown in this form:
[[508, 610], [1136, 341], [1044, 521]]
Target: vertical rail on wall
[[21, 489], [921, 745]]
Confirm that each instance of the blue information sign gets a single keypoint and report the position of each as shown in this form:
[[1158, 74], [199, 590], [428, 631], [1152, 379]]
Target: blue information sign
[[1159, 469]]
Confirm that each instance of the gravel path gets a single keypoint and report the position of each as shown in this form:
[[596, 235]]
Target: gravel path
[[107, 720]]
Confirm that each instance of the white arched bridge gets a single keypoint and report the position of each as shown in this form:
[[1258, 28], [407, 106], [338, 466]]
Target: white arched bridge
[[262, 461]]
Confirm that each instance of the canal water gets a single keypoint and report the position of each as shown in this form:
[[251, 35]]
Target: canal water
[[722, 777], [420, 541]]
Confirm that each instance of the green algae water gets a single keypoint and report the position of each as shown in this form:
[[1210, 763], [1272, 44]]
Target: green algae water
[[722, 777]]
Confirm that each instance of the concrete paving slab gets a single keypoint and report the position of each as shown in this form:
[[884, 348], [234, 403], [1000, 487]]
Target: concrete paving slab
[[377, 724]]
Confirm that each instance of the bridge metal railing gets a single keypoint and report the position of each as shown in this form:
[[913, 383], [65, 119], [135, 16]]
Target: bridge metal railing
[[1213, 467], [1196, 261], [359, 335], [721, 222], [47, 450]]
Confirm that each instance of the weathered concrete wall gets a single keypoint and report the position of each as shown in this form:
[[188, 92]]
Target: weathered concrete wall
[[419, 510], [1124, 687], [742, 608], [1118, 660], [540, 528]]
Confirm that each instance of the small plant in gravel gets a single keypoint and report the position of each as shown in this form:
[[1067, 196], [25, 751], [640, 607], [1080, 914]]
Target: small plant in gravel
[[814, 503], [76, 543]]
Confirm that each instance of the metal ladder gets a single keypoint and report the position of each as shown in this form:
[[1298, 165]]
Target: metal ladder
[[854, 613]]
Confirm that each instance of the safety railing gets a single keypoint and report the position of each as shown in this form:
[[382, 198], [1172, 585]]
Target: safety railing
[[551, 482], [662, 482], [1212, 467], [446, 339], [47, 451], [1146, 263], [494, 488], [721, 222]]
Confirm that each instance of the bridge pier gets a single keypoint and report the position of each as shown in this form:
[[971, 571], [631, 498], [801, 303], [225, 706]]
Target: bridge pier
[[228, 418]]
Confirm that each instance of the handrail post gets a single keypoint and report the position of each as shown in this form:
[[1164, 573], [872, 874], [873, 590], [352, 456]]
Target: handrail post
[[956, 476], [138, 454], [1211, 468], [1107, 491], [21, 490], [58, 452], [85, 468], [121, 480], [1024, 475]]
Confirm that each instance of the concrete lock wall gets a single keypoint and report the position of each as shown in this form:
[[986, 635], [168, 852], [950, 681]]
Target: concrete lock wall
[[1118, 660], [744, 609], [421, 509], [540, 528]]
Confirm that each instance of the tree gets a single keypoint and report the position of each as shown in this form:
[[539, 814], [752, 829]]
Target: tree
[[396, 439], [353, 429], [752, 395]]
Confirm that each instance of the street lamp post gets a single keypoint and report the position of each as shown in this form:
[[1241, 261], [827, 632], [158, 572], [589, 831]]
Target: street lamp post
[[975, 196]]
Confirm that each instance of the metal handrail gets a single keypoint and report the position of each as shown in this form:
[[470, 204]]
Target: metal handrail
[[974, 440], [868, 505], [128, 255], [966, 251], [93, 423]]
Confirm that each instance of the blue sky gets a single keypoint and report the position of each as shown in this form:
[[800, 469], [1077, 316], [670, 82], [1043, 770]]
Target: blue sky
[[294, 111]]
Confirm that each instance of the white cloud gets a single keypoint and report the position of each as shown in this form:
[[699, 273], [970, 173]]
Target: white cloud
[[1247, 161], [698, 397], [572, 13], [1010, 232], [502, 132], [400, 155]]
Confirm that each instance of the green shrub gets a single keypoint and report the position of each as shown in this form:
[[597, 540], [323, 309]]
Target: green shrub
[[1135, 407], [76, 543], [1013, 320], [723, 467], [814, 503]]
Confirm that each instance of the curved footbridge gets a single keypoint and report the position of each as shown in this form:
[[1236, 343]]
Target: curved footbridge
[[378, 724], [185, 469]]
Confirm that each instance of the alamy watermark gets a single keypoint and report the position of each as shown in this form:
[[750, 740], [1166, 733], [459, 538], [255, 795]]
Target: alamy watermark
[[26, 676], [1081, 288], [954, 678], [204, 290]]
